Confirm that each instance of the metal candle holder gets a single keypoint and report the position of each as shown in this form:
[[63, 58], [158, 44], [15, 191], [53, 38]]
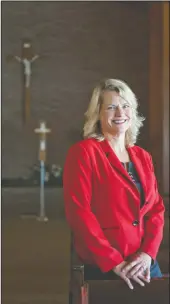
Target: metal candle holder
[[42, 131]]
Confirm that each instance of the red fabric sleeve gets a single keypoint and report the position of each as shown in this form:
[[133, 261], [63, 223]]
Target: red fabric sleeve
[[154, 223], [77, 185]]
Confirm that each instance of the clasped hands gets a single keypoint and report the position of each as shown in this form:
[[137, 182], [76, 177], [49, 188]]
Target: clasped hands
[[137, 268]]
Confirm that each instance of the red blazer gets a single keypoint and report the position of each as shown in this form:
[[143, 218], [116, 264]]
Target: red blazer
[[102, 204]]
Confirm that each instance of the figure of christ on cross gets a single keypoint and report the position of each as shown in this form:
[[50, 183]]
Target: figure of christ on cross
[[26, 59], [27, 68]]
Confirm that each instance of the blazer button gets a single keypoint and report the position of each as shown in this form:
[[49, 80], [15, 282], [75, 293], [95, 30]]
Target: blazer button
[[135, 223], [146, 203]]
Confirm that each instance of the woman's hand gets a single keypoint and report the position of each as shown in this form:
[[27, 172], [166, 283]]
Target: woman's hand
[[118, 271], [138, 270], [139, 267]]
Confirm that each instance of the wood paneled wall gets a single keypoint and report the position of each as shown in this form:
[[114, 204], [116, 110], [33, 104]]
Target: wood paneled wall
[[159, 91], [166, 65]]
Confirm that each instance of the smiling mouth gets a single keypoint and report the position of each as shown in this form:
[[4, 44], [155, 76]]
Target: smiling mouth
[[119, 122]]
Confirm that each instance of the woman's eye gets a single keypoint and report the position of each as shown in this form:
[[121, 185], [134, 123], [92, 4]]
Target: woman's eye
[[111, 107], [125, 106]]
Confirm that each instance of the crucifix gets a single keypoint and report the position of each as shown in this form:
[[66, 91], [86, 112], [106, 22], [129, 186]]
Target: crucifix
[[42, 131], [26, 59]]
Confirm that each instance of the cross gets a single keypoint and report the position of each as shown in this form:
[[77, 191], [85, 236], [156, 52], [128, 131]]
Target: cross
[[42, 131], [26, 59]]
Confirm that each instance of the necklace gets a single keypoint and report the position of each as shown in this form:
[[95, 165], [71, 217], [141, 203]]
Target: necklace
[[126, 165]]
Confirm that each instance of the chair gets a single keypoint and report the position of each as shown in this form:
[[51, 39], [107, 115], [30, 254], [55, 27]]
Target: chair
[[88, 285]]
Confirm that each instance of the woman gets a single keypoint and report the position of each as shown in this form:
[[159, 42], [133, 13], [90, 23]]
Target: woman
[[111, 198]]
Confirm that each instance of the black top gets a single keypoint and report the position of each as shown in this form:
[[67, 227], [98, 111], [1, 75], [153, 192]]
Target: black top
[[134, 176]]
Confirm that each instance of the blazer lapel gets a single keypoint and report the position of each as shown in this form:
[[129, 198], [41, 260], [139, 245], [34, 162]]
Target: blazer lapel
[[113, 159], [116, 164]]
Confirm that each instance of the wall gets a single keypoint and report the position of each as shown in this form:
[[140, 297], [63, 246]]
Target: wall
[[79, 43], [158, 107]]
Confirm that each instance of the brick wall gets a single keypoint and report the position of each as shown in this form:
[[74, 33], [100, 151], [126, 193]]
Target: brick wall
[[80, 43]]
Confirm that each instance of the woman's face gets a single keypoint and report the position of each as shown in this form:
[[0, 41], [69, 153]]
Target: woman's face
[[115, 114]]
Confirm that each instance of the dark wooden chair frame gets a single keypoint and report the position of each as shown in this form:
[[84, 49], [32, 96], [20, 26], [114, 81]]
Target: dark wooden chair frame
[[81, 275]]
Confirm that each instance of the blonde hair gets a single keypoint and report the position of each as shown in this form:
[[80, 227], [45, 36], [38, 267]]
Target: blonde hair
[[92, 127]]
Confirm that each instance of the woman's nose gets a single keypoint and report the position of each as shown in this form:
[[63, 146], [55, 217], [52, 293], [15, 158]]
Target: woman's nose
[[119, 111]]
